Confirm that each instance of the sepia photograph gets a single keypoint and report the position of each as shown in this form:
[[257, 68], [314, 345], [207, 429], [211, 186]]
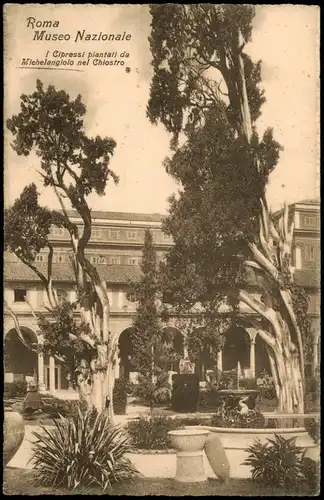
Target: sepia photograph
[[161, 250]]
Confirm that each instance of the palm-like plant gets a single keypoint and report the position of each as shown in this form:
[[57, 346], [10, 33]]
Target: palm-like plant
[[86, 450], [276, 462]]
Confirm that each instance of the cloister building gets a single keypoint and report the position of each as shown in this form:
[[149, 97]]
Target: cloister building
[[116, 249]]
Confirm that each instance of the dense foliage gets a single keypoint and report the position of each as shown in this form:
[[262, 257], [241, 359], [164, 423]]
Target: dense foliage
[[153, 349], [16, 389], [234, 419], [82, 451], [153, 393], [74, 165], [147, 331], [279, 461], [207, 92], [152, 433], [120, 397]]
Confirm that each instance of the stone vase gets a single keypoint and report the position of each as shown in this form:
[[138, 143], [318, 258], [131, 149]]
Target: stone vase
[[189, 444], [13, 434]]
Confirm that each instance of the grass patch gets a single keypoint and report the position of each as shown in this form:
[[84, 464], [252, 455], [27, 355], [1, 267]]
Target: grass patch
[[20, 482]]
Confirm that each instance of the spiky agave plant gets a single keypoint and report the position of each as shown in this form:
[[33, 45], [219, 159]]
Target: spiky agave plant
[[86, 450]]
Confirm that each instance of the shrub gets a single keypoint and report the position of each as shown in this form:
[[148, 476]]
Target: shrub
[[65, 407], [17, 389], [185, 392], [82, 451], [312, 385], [153, 393], [152, 433], [276, 462], [269, 392], [120, 397], [233, 419], [130, 387], [313, 428]]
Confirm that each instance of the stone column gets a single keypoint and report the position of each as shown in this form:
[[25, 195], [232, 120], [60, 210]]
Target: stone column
[[41, 384], [298, 257], [315, 355], [52, 375], [220, 361], [252, 357], [117, 366]]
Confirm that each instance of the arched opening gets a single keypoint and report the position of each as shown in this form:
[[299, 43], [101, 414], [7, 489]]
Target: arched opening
[[205, 361], [261, 357], [19, 360], [172, 347], [236, 349], [125, 354]]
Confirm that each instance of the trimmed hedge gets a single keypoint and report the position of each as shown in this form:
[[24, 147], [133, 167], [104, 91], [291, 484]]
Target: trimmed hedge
[[120, 397], [185, 392], [17, 389]]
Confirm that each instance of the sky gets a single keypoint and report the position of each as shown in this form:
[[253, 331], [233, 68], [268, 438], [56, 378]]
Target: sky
[[285, 37]]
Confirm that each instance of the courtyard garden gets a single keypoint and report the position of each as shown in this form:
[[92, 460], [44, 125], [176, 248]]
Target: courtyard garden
[[230, 270]]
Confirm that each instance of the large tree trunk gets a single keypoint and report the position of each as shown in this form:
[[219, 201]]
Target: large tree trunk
[[287, 377], [271, 261]]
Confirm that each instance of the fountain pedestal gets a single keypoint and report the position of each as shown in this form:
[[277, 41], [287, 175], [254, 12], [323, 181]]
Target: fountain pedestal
[[189, 444]]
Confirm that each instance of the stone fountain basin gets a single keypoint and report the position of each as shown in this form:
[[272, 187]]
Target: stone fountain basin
[[188, 439]]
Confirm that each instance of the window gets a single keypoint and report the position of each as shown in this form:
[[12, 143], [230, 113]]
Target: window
[[131, 235], [310, 221], [98, 259], [59, 258], [115, 259], [309, 253], [113, 234], [19, 295], [133, 261], [96, 234], [131, 297], [40, 258], [167, 237], [58, 231]]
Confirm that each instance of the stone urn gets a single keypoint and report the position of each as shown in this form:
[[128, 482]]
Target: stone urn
[[13, 434], [189, 444]]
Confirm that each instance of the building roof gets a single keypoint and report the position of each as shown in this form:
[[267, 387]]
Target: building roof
[[311, 202], [314, 201], [127, 216], [122, 274], [17, 271]]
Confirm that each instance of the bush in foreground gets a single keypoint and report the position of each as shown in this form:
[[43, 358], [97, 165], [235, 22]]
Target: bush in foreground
[[279, 462], [85, 450], [152, 433]]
